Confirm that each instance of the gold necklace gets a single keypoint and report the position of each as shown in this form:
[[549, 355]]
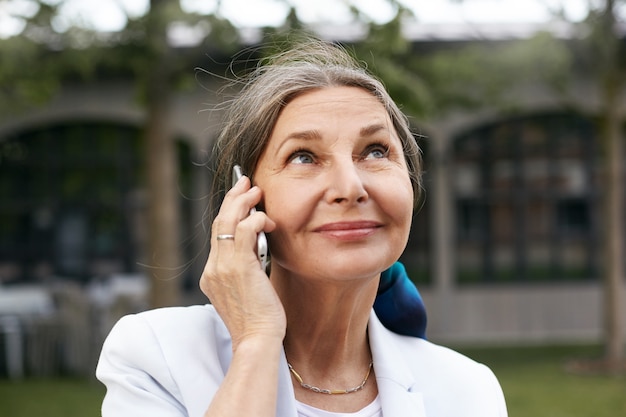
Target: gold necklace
[[330, 391]]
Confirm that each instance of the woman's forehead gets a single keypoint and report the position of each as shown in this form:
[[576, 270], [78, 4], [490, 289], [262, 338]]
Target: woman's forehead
[[349, 104]]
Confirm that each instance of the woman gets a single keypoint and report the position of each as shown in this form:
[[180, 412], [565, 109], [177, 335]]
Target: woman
[[336, 171]]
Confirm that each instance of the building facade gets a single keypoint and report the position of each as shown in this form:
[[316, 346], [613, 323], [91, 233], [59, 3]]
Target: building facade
[[506, 246]]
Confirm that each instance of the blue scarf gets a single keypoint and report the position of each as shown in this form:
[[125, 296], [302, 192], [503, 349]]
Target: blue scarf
[[399, 305]]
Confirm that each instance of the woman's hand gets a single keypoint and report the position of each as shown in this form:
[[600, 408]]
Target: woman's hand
[[233, 279], [247, 302]]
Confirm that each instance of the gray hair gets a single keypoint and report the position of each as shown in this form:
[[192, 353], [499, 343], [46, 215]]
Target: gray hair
[[311, 65]]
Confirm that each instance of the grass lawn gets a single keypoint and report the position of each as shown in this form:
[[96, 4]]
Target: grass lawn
[[59, 397], [536, 384], [533, 379]]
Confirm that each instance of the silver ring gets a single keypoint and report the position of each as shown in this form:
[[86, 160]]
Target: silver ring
[[225, 237]]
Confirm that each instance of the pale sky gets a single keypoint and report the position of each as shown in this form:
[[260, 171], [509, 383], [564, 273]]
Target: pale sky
[[108, 15]]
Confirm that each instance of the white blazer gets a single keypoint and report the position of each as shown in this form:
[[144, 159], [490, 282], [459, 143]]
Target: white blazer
[[169, 363]]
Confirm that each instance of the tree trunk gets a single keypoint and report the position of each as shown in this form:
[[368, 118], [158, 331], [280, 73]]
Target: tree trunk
[[164, 259], [613, 85], [614, 215]]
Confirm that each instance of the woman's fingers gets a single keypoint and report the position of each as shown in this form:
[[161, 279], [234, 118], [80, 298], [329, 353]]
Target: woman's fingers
[[233, 278], [235, 224], [235, 207]]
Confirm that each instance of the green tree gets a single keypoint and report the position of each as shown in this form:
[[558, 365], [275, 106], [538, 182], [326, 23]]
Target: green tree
[[140, 50], [23, 84]]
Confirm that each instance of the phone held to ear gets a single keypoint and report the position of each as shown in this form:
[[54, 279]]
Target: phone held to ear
[[262, 248]]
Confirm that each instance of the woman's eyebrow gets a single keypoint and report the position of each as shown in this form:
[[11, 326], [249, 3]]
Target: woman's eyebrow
[[304, 135], [372, 129]]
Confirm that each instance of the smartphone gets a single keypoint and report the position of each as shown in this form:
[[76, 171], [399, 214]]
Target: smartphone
[[262, 248]]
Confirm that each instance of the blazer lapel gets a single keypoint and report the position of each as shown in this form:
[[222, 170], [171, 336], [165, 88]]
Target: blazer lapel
[[286, 401], [395, 382]]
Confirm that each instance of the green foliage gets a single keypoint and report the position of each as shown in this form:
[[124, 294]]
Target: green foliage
[[471, 76], [277, 39], [20, 81], [481, 75], [81, 53], [34, 63], [461, 76], [424, 83], [602, 51], [389, 56]]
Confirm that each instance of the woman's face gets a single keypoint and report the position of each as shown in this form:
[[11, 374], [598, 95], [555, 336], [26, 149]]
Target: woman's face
[[335, 181]]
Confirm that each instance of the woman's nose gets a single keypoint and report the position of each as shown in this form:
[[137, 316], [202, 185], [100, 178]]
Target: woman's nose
[[345, 183]]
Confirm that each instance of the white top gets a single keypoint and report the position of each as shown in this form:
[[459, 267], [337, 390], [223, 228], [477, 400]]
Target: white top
[[374, 409], [170, 362]]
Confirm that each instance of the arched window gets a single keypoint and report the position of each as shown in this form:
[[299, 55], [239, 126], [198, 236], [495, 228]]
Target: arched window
[[526, 198], [71, 199]]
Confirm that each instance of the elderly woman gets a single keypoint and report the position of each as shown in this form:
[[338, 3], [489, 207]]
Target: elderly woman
[[335, 171]]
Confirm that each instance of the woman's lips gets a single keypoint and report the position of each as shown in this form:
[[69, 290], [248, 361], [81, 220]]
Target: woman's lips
[[354, 230]]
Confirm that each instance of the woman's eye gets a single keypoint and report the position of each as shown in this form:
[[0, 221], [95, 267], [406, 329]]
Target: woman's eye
[[301, 157], [377, 151]]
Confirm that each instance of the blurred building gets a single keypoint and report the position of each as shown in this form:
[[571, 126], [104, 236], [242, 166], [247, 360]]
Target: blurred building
[[506, 247]]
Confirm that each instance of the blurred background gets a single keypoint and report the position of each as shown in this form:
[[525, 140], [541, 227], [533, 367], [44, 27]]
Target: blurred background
[[108, 112]]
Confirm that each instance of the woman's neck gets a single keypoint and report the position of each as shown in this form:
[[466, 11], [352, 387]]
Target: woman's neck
[[326, 341], [326, 321]]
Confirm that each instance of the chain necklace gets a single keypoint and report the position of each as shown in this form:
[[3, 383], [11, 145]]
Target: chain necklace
[[331, 391]]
